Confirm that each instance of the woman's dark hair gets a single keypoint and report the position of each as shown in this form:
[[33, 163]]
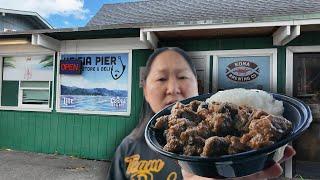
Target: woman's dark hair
[[146, 112]]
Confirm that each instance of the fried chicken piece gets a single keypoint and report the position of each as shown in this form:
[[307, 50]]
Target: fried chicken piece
[[174, 143], [194, 146], [162, 122], [228, 108], [258, 114], [221, 124], [236, 146], [193, 105], [244, 118], [173, 121], [265, 131], [215, 146], [201, 130], [203, 110], [186, 111]]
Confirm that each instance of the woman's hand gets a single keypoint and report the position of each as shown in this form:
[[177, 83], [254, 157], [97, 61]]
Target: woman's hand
[[271, 172]]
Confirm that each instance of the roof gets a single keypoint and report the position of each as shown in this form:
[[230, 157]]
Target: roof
[[34, 17], [186, 12]]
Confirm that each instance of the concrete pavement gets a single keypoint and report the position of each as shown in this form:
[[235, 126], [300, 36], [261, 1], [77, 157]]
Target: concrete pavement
[[17, 165]]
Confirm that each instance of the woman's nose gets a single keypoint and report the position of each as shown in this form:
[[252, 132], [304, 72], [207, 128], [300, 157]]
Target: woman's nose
[[173, 87]]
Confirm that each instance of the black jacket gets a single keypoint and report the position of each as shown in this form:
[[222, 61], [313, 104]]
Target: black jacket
[[135, 160]]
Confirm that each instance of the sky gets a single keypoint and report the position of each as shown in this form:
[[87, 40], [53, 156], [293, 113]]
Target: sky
[[61, 13]]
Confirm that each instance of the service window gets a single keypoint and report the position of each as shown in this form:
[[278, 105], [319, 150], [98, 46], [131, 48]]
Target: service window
[[34, 93], [26, 82]]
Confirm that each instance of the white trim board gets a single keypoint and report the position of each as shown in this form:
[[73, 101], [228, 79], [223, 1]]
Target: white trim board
[[102, 45], [233, 25], [12, 108], [13, 50]]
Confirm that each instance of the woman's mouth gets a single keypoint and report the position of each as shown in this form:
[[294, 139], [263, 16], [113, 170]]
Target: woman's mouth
[[171, 102]]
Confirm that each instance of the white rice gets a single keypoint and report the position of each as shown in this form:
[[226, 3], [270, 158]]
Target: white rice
[[250, 97]]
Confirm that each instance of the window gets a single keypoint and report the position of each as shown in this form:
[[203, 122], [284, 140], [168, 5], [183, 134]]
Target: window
[[201, 62], [26, 82], [246, 68], [306, 80], [34, 94], [250, 68]]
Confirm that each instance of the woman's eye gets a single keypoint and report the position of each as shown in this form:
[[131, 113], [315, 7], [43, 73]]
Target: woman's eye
[[161, 79], [183, 77]]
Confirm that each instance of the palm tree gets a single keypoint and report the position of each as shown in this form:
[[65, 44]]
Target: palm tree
[[47, 61], [8, 62]]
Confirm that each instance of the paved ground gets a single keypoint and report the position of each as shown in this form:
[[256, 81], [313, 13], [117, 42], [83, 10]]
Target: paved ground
[[16, 165]]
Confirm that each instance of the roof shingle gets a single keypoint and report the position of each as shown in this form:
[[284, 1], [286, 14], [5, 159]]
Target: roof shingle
[[166, 12]]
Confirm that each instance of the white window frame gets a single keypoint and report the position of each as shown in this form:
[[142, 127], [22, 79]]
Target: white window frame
[[195, 54], [29, 108], [35, 106], [58, 89], [290, 50]]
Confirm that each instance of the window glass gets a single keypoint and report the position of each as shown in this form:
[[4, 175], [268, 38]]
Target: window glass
[[35, 96], [34, 84], [307, 77]]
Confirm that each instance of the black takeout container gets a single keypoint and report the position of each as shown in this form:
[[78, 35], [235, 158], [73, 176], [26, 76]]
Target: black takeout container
[[240, 164]]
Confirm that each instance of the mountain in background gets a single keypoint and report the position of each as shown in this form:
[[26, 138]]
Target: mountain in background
[[67, 90]]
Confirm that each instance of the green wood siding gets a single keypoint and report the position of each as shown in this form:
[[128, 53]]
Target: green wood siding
[[306, 39], [221, 44], [87, 136]]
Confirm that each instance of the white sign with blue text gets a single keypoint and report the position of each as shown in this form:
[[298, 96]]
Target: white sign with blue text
[[251, 72]]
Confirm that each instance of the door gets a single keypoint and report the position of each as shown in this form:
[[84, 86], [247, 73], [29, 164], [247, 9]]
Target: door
[[306, 86]]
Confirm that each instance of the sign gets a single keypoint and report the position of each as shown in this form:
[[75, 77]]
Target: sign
[[70, 67], [252, 72], [102, 87], [28, 68], [242, 71]]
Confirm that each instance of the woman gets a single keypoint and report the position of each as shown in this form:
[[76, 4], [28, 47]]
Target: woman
[[170, 77]]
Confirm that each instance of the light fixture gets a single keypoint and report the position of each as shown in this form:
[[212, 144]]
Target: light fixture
[[13, 41]]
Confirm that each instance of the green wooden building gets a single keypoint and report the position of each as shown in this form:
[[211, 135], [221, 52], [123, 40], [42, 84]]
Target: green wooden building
[[49, 106]]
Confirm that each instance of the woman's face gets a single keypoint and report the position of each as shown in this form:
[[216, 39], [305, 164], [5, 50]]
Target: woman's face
[[170, 79]]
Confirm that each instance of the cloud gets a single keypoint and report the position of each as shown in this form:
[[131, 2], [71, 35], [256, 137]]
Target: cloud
[[47, 8]]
